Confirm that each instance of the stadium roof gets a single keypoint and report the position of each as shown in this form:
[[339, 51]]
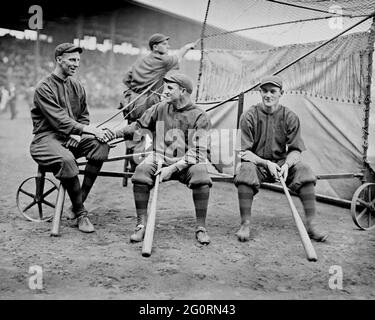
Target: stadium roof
[[97, 18]]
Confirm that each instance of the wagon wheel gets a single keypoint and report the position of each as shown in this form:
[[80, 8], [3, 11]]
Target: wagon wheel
[[36, 198], [363, 206]]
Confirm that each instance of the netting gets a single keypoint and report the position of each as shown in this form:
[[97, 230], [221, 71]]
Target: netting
[[326, 66], [280, 22], [267, 24]]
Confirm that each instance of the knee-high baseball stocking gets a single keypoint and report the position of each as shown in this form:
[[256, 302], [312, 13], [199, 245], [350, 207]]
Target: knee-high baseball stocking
[[245, 199], [73, 188], [307, 196], [91, 173], [141, 197], [200, 198]]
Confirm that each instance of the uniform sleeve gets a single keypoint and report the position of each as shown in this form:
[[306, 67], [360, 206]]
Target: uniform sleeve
[[199, 143], [245, 137], [84, 116], [127, 79], [171, 63], [149, 117], [293, 131], [147, 121], [58, 118]]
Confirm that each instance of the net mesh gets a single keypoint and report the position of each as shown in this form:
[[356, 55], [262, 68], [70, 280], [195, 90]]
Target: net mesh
[[290, 20], [254, 25]]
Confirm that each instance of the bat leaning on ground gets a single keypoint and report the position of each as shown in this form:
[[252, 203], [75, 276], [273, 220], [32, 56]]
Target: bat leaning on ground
[[150, 226], [58, 211], [307, 245]]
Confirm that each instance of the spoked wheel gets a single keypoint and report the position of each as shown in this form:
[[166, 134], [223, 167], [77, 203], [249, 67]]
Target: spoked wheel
[[363, 206], [36, 198]]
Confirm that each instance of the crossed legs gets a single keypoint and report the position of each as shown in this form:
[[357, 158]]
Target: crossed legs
[[50, 152]]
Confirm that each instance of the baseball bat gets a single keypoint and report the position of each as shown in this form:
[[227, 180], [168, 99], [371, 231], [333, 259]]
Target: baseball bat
[[150, 226], [307, 245], [58, 210]]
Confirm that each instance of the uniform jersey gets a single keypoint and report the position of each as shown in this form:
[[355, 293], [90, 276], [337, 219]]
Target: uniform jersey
[[59, 106], [148, 69], [270, 136], [175, 132]]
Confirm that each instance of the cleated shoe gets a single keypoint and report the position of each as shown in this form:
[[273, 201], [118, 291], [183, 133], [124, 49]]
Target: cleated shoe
[[138, 234], [317, 236], [84, 223], [202, 236], [244, 233]]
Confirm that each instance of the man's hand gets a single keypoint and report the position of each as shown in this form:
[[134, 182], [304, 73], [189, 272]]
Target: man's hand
[[97, 132], [73, 141], [109, 135], [284, 171], [192, 45], [166, 172], [273, 168]]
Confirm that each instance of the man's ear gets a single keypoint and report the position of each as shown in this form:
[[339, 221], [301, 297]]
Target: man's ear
[[58, 59], [281, 91]]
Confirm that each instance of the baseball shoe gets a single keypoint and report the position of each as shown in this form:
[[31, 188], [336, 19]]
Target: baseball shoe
[[84, 223], [202, 236], [138, 234], [316, 235], [70, 214], [244, 233]]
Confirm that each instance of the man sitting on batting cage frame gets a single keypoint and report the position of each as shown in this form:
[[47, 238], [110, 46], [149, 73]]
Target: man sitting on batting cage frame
[[271, 145], [181, 143]]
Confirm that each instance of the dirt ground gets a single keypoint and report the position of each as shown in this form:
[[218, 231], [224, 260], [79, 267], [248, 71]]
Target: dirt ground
[[105, 265]]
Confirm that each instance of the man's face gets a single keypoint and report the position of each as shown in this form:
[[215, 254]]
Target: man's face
[[270, 94], [69, 62], [162, 47], [172, 91]]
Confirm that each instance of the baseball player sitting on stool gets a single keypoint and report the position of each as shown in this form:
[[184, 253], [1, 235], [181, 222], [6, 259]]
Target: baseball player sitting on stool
[[60, 120], [271, 144], [181, 142], [143, 73]]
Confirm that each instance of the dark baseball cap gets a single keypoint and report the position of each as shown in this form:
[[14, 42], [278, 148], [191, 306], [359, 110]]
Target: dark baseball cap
[[66, 47], [182, 80], [275, 80], [156, 38]]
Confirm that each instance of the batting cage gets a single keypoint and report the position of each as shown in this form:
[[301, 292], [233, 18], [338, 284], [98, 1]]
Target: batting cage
[[327, 84]]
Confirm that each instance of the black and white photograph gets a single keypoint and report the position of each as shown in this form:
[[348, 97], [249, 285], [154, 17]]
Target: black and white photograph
[[201, 151]]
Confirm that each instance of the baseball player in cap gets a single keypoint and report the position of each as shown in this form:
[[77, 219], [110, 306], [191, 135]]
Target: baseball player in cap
[[148, 69], [62, 131], [181, 143], [142, 74], [270, 144]]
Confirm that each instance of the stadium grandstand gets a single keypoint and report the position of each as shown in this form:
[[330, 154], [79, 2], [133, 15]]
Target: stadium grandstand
[[114, 34]]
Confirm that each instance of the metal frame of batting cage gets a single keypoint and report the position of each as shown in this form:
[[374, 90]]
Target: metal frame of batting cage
[[367, 173]]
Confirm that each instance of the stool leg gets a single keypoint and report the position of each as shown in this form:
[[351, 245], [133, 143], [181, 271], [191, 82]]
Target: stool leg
[[39, 188], [58, 211], [126, 167]]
